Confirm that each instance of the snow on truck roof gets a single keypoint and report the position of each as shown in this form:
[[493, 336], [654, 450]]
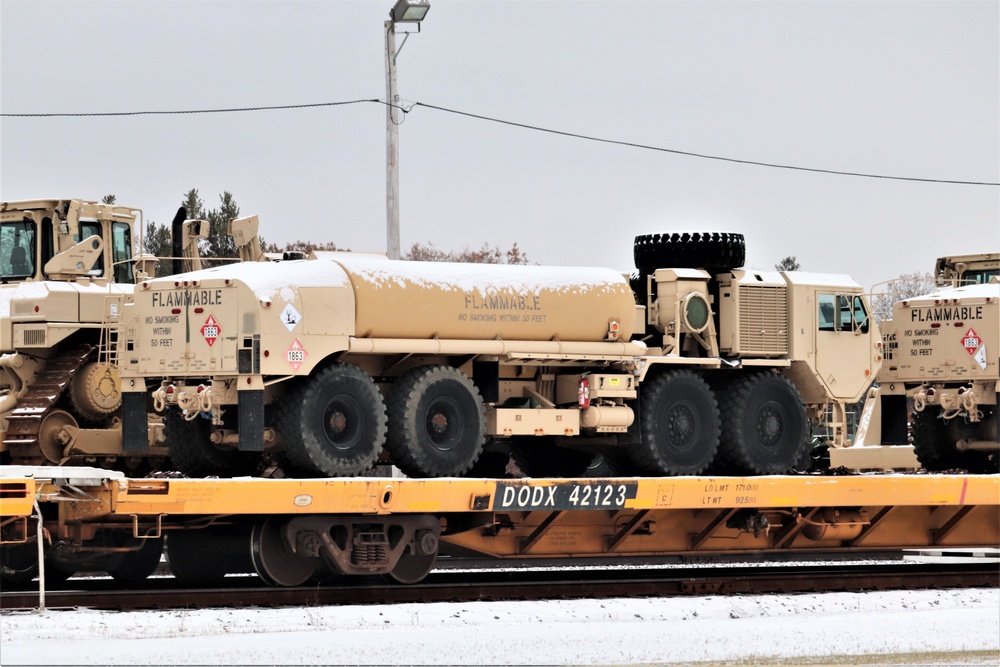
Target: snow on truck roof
[[823, 279], [981, 291], [267, 279]]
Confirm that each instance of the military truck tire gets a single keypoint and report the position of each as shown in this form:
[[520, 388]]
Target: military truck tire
[[333, 422], [437, 422], [765, 430], [679, 422], [192, 451], [712, 251], [136, 566], [539, 456], [491, 464], [934, 445]]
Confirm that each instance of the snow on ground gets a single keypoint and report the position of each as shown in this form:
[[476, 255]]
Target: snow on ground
[[899, 627]]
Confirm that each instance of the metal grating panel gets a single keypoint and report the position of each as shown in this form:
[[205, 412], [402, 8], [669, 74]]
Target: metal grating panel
[[34, 337], [763, 320]]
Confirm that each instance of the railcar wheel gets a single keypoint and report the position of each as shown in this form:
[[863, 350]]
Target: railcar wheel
[[412, 568], [679, 422], [712, 251], [333, 423], [539, 456], [765, 430], [274, 561], [136, 566], [192, 451], [204, 557], [437, 422]]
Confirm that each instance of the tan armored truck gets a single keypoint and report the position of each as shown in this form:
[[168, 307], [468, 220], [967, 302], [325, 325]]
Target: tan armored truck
[[328, 364], [67, 268], [939, 384]]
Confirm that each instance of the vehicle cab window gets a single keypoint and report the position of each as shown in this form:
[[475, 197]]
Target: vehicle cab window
[[90, 228], [121, 252], [17, 250], [842, 312]]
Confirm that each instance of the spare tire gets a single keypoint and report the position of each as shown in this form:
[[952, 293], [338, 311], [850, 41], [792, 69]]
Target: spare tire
[[713, 251]]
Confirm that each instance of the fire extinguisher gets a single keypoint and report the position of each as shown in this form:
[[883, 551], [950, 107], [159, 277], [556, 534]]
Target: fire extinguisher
[[583, 393]]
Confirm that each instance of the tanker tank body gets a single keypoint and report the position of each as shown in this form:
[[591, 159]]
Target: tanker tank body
[[329, 363]]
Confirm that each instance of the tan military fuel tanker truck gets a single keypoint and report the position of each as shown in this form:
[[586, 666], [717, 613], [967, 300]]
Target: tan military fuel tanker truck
[[326, 364], [940, 383], [67, 268]]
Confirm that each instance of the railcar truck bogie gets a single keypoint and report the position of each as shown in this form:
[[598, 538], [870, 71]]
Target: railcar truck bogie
[[330, 364]]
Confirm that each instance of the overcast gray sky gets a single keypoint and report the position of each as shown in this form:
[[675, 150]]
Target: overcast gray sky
[[894, 88]]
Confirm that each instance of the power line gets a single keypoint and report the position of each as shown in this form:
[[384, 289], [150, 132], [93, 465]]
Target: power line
[[702, 155], [183, 112], [524, 126]]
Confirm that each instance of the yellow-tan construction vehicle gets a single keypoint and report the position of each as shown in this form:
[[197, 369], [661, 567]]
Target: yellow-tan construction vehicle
[[67, 268], [326, 364]]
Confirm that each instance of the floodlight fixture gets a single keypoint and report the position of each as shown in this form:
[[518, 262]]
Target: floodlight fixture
[[409, 11]]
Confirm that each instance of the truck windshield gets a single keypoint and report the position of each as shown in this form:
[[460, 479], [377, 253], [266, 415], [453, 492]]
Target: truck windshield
[[17, 250], [979, 276]]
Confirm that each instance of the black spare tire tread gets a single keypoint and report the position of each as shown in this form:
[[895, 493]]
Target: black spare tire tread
[[712, 251]]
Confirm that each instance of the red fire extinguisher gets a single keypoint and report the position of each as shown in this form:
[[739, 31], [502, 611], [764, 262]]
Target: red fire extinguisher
[[583, 393]]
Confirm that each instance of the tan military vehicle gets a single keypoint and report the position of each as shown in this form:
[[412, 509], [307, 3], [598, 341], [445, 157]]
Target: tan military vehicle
[[329, 363], [939, 384], [67, 268]]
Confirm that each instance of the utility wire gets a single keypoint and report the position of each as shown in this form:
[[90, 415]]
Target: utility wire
[[185, 112], [524, 126], [702, 155]]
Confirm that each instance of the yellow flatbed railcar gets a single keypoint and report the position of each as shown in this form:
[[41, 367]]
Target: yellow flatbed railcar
[[300, 529]]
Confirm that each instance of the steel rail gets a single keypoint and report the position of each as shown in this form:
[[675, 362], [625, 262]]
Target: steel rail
[[518, 585]]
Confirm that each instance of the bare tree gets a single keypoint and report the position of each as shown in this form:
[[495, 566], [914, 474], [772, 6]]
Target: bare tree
[[906, 286], [303, 246], [487, 254]]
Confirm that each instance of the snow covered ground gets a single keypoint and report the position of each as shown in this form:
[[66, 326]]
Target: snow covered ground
[[921, 627]]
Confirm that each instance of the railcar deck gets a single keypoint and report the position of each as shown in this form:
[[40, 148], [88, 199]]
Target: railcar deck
[[537, 517]]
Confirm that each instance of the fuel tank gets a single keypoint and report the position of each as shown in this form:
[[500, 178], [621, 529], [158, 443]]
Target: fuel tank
[[395, 299]]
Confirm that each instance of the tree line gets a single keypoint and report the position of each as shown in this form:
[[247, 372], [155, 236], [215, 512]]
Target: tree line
[[220, 246]]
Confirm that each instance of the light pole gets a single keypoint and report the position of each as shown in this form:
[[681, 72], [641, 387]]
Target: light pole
[[404, 11]]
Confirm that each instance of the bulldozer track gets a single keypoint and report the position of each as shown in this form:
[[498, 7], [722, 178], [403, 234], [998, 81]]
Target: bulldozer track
[[25, 421]]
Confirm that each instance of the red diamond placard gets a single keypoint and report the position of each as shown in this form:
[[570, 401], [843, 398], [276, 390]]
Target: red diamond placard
[[971, 341], [296, 354], [211, 330]]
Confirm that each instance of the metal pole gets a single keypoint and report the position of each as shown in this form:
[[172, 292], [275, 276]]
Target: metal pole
[[391, 145]]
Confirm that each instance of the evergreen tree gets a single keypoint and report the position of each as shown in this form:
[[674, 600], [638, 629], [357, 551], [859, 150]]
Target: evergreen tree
[[219, 244], [788, 264]]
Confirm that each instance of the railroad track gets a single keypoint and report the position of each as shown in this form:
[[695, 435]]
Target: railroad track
[[495, 585]]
